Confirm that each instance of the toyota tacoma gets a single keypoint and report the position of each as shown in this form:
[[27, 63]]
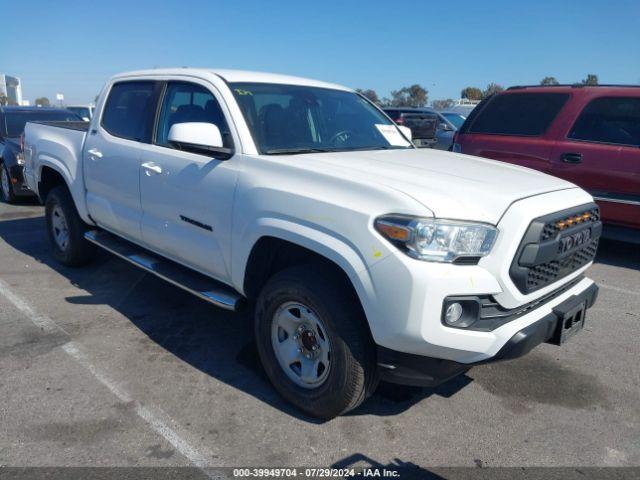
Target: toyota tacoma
[[361, 257]]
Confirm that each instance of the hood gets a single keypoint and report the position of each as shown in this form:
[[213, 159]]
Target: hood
[[451, 185]]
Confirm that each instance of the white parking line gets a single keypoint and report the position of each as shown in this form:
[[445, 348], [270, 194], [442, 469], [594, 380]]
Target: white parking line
[[41, 321], [152, 418], [149, 415]]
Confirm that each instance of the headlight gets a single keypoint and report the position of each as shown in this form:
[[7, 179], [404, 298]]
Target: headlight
[[20, 159], [437, 240]]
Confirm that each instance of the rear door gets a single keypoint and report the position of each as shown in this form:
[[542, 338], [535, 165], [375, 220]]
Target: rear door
[[599, 151], [187, 197], [112, 154], [513, 127]]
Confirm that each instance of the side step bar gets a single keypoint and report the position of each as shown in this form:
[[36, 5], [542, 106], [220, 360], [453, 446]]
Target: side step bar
[[193, 282]]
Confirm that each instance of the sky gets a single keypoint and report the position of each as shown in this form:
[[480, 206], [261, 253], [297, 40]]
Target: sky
[[73, 47]]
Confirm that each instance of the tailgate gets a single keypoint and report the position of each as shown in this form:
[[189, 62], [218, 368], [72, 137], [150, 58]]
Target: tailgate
[[422, 125]]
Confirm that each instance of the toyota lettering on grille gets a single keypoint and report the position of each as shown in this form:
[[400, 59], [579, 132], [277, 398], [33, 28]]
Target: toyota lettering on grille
[[574, 240]]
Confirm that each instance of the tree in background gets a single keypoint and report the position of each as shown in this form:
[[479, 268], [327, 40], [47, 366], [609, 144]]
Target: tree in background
[[413, 96], [4, 100], [442, 104], [42, 102], [592, 79], [491, 89], [471, 93], [370, 94], [549, 81]]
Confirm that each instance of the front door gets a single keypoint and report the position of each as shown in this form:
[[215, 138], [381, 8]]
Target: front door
[[187, 197], [112, 156], [600, 154]]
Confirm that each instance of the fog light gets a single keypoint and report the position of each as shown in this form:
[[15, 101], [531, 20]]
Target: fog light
[[460, 312], [453, 313]]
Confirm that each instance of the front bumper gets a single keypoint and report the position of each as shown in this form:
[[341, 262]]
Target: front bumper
[[410, 369], [404, 304]]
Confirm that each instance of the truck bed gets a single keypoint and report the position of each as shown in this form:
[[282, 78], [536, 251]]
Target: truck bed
[[72, 125], [57, 145]]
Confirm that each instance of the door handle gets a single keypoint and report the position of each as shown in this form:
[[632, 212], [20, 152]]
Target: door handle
[[152, 169], [95, 153], [569, 157]]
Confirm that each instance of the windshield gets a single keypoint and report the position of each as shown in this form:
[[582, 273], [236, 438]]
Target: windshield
[[299, 119], [455, 118], [15, 121]]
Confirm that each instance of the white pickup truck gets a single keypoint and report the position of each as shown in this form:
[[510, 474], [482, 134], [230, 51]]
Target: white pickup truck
[[362, 257]]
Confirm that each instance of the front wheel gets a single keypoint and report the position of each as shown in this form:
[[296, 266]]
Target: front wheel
[[6, 191], [66, 229], [313, 341]]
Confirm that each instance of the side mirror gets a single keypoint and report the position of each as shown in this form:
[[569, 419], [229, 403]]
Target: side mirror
[[199, 137], [445, 127], [406, 131]]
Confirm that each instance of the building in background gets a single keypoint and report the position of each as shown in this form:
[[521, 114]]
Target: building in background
[[12, 88]]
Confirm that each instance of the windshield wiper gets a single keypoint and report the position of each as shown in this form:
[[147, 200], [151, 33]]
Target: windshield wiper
[[292, 151]]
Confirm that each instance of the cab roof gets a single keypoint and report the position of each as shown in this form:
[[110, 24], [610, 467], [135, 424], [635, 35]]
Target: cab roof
[[233, 76]]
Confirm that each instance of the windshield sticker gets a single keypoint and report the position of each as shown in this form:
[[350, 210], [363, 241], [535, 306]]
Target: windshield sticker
[[242, 92], [392, 135]]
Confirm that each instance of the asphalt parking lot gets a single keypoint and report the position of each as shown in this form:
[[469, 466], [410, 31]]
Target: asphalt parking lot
[[106, 365]]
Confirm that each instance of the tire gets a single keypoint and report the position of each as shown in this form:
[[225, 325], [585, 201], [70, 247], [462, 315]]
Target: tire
[[350, 375], [75, 251], [6, 191]]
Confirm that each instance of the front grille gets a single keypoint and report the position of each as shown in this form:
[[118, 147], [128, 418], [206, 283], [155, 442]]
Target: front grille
[[551, 228], [556, 245], [546, 273]]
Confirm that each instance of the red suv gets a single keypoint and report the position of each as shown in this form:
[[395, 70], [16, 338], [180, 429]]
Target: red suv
[[587, 135]]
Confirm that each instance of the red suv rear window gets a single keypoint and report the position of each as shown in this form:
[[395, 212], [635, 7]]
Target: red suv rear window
[[526, 114]]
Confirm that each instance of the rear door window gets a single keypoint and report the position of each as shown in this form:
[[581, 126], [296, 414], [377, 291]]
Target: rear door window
[[525, 114], [129, 110], [609, 120]]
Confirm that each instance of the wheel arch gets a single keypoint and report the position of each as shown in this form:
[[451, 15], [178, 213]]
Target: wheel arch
[[48, 179], [53, 173], [279, 246]]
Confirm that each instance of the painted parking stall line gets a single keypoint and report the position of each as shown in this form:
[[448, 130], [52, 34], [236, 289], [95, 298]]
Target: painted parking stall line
[[157, 420]]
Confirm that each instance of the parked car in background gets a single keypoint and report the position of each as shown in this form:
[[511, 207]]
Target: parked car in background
[[422, 123], [429, 128], [589, 135], [83, 111], [12, 122], [456, 118]]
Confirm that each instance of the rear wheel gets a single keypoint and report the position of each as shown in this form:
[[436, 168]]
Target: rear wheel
[[6, 191], [313, 341], [66, 229]]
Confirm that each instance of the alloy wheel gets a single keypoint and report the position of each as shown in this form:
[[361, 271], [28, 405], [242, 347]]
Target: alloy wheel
[[5, 184]]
